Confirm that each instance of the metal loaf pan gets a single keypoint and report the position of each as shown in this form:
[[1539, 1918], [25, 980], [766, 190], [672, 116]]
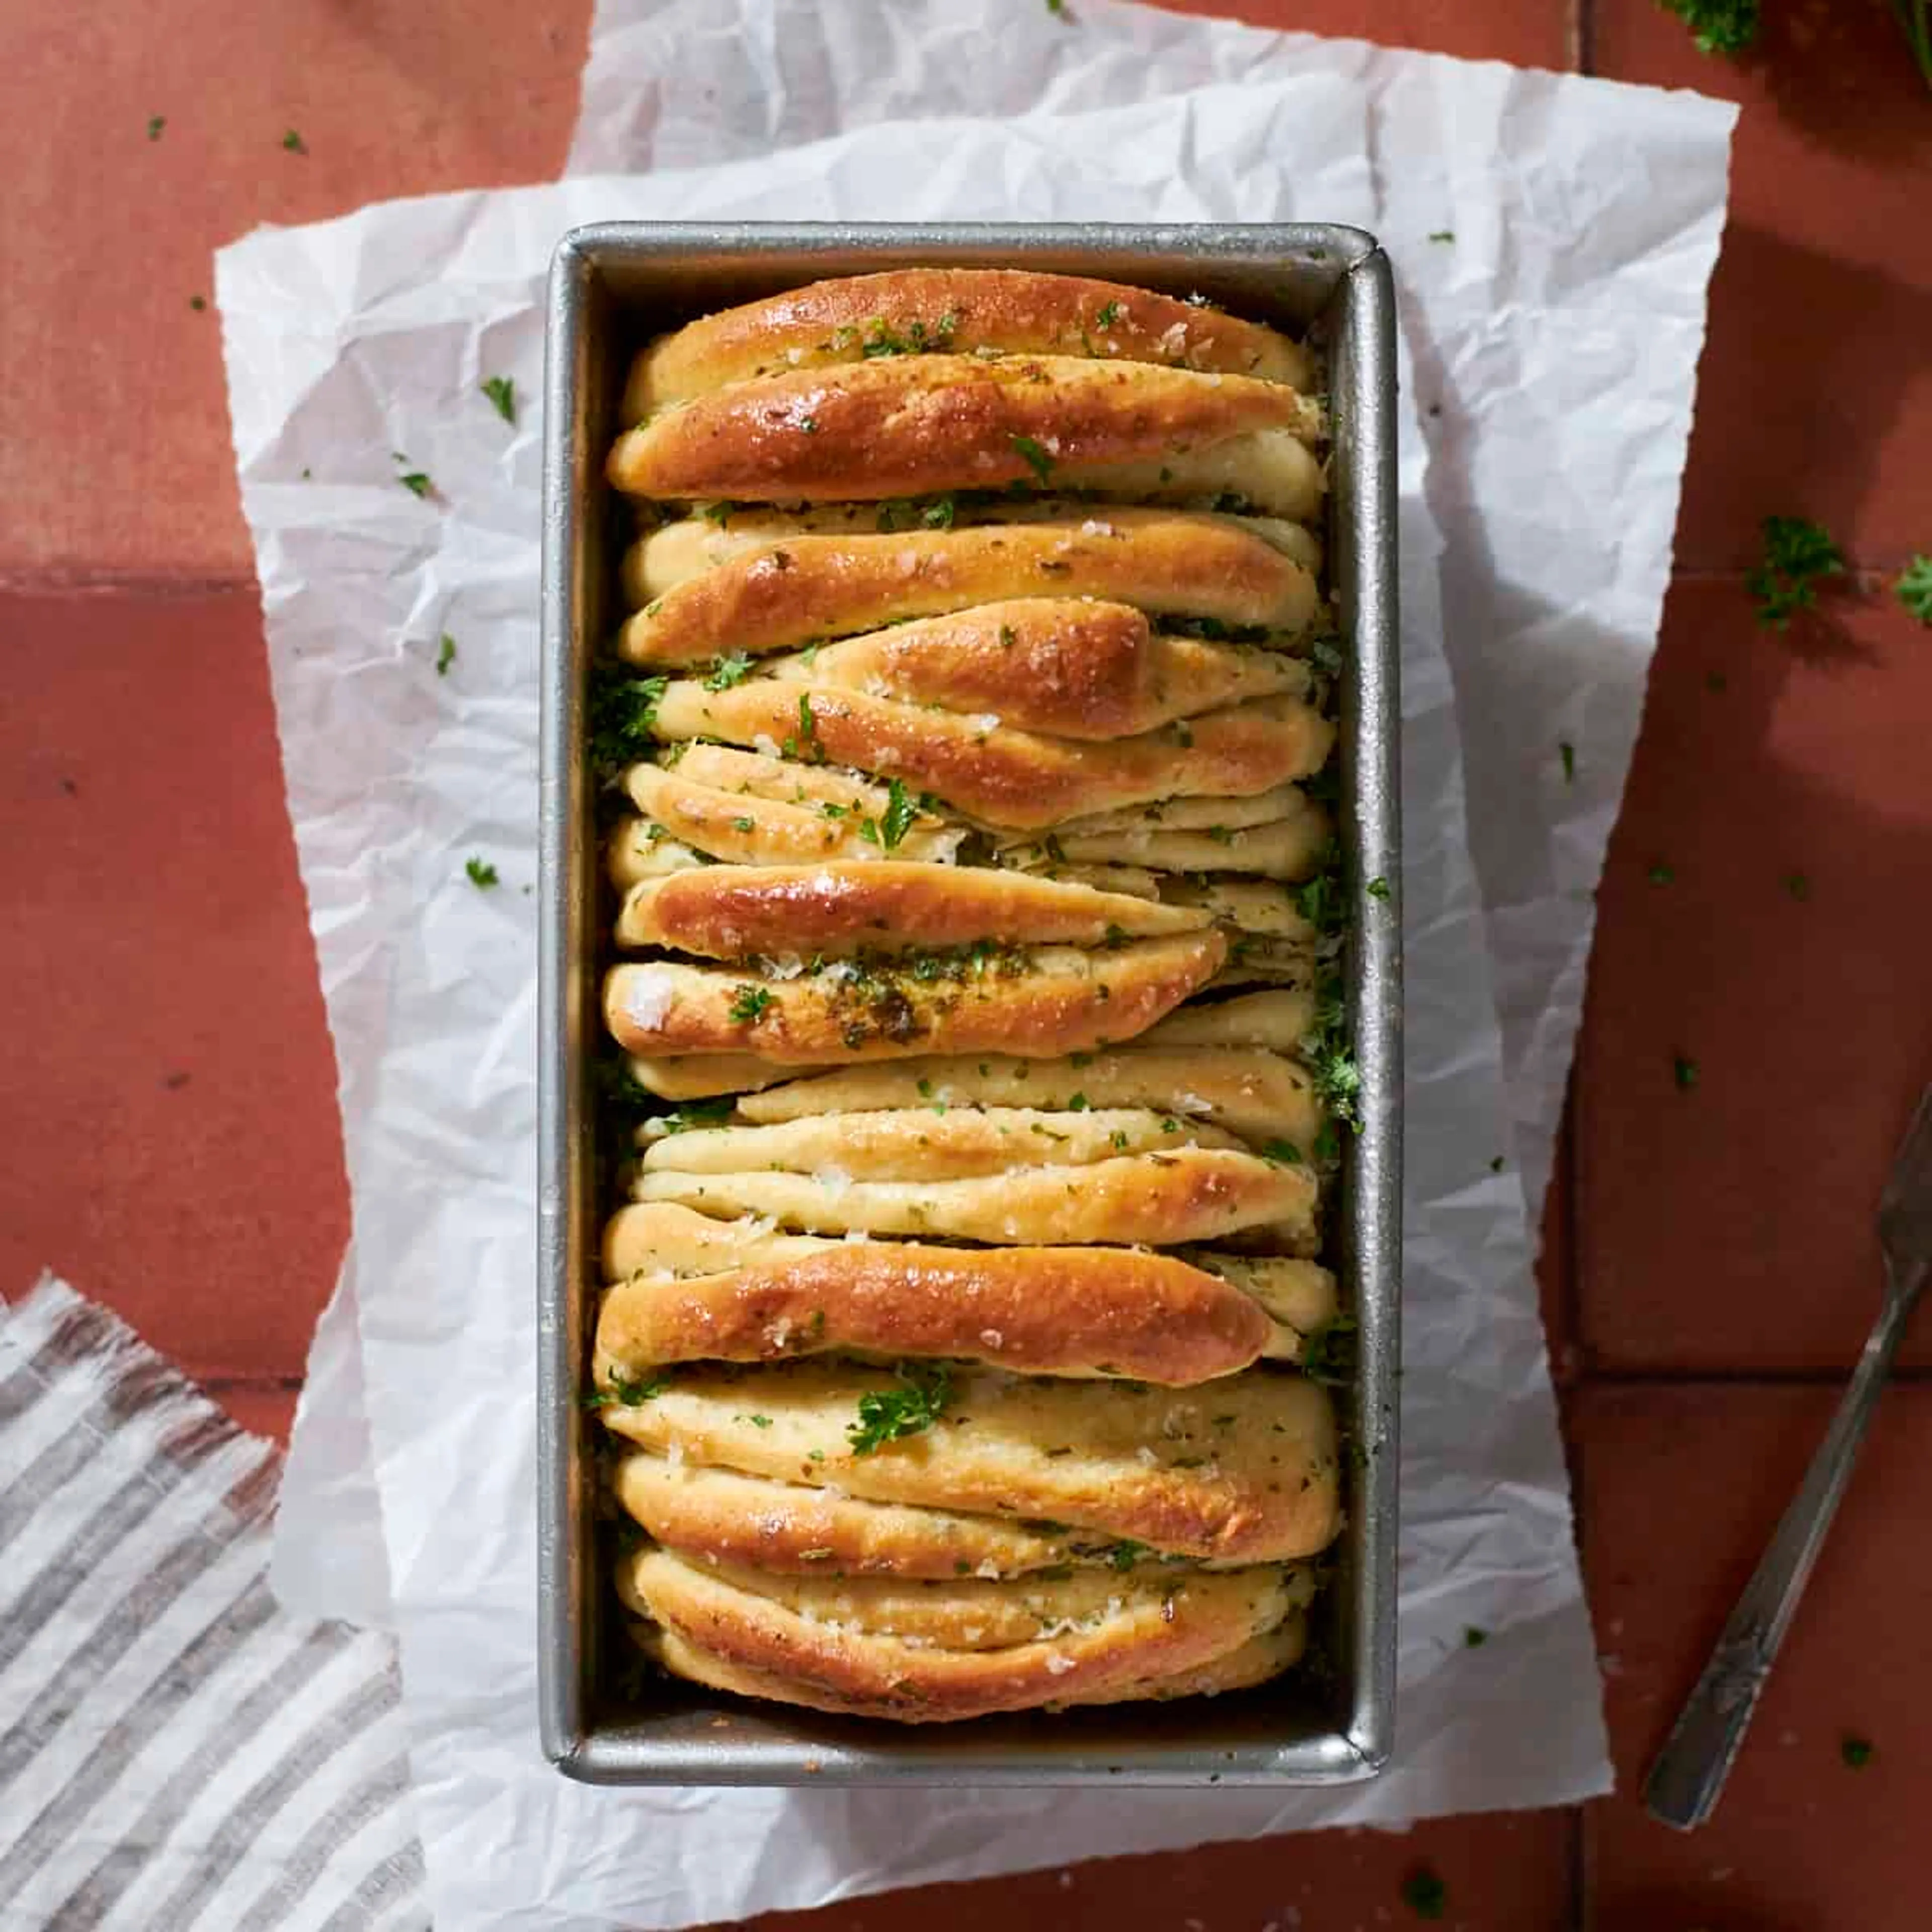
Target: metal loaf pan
[[612, 287]]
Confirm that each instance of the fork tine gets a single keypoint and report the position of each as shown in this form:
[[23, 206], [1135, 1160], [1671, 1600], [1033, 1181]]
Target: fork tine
[[1911, 1166]]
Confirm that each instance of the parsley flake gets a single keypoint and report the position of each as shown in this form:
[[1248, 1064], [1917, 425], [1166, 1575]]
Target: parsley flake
[[501, 392], [1425, 1894], [1683, 1070], [624, 1394], [294, 142], [1035, 457], [728, 671], [1798, 556], [892, 825], [1108, 316], [1856, 1752], [1285, 1153], [1718, 26], [1914, 587], [1798, 886], [1377, 888], [156, 122], [197, 303], [481, 873], [445, 655], [748, 1003], [1567, 752], [886, 1415], [1443, 234], [1661, 874]]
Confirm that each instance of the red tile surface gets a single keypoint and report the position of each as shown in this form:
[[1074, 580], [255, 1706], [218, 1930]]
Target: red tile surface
[[1680, 1487], [1527, 33], [109, 380], [1816, 396], [1730, 1226], [1502, 1874], [175, 1150], [265, 1409]]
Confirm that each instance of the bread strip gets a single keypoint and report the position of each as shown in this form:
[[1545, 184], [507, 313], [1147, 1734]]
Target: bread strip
[[727, 912], [1012, 311], [1243, 1469], [1194, 1194], [1071, 668], [751, 831], [930, 1142], [1181, 1626], [699, 1076], [1066, 1311], [1260, 1658], [1261, 1096], [1192, 814], [1000, 776], [909, 425], [1040, 1004], [783, 595], [1284, 848], [640, 849], [1277, 1021], [672, 553], [789, 1528], [1250, 905]]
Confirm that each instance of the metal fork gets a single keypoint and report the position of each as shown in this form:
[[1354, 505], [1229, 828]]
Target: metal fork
[[1690, 1771]]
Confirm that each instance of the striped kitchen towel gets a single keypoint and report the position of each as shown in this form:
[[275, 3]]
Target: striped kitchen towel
[[176, 1753]]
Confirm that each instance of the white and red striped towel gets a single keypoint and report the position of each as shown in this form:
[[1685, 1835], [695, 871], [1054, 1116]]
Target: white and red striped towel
[[176, 1752]]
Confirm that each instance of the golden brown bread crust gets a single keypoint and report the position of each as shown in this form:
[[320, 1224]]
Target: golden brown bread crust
[[1260, 1096], [1000, 776], [699, 1076], [1277, 1021], [1193, 1194], [1243, 1470], [783, 595], [910, 425], [1150, 1631], [1012, 311], [1284, 848], [732, 912], [790, 1529], [671, 554], [1260, 1658], [1038, 1311], [1072, 668], [1040, 1005], [751, 831]]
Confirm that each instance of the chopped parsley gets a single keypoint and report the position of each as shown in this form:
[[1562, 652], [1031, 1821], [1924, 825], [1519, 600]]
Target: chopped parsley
[[197, 303], [1377, 888], [1718, 26], [1798, 556], [744, 825], [156, 122], [728, 671], [910, 338], [1108, 316], [1798, 886], [1856, 1752], [622, 719], [1914, 587], [809, 424], [1328, 1352], [892, 825], [1683, 1070], [294, 142], [1284, 1152], [1474, 1639], [445, 655], [1567, 752], [1443, 234], [805, 744], [1126, 1553], [1661, 874], [690, 1114], [748, 1002], [887, 1415], [414, 480], [1425, 1894], [624, 1394], [481, 873], [1035, 457], [501, 392]]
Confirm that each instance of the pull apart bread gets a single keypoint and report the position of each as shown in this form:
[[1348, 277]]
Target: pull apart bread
[[964, 1345]]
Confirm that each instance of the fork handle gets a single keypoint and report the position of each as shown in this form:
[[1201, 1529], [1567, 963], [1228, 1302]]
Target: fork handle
[[1690, 1771]]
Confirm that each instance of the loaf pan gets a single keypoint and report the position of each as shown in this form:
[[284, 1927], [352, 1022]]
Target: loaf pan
[[612, 287]]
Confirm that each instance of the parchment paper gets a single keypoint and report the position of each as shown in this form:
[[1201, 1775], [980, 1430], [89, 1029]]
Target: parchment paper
[[359, 337]]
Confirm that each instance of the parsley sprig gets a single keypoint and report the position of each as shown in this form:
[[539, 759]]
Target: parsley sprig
[[886, 1415], [1798, 556], [622, 720], [1914, 587], [1718, 26], [891, 826]]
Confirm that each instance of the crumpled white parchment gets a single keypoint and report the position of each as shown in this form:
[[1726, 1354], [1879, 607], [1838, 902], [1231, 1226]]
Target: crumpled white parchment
[[356, 338]]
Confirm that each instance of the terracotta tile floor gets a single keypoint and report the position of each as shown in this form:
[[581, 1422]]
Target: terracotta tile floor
[[1709, 1266]]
